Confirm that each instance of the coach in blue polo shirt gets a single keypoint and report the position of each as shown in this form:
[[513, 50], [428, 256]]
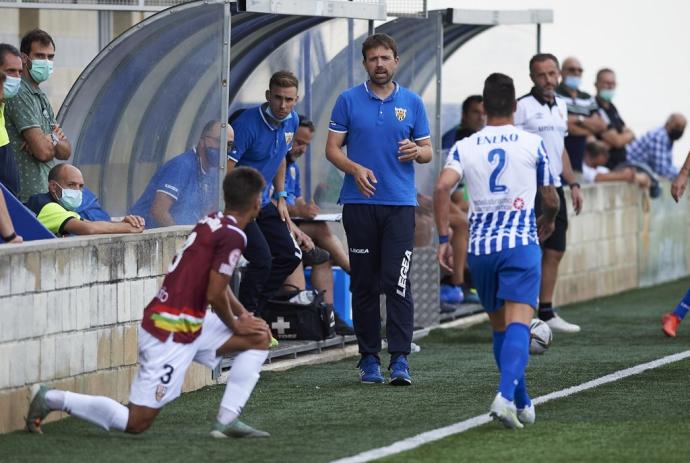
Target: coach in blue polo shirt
[[186, 187], [263, 136], [387, 130]]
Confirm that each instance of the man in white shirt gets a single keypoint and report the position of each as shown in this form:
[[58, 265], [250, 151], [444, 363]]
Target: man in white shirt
[[543, 113]]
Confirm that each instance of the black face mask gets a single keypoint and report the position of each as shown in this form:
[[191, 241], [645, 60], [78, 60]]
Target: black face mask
[[675, 134]]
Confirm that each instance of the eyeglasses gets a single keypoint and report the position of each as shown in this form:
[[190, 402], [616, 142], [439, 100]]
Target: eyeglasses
[[231, 143]]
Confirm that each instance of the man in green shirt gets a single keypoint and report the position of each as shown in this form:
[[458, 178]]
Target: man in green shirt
[[35, 137]]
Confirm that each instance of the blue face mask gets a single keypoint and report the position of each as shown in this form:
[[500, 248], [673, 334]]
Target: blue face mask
[[41, 69], [213, 157], [11, 86], [572, 82], [270, 113], [607, 94], [70, 199]]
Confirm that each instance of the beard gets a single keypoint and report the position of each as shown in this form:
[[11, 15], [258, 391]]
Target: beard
[[381, 79]]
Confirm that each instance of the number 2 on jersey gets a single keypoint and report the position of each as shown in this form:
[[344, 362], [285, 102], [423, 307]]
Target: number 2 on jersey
[[494, 187]]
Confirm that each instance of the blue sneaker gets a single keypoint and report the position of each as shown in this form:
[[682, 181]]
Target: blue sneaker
[[451, 294], [400, 371], [370, 370]]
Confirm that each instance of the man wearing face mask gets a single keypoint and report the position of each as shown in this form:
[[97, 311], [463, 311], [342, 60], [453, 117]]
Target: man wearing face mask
[[11, 66], [655, 148], [617, 135], [583, 119], [56, 208], [185, 188], [265, 134], [35, 137]]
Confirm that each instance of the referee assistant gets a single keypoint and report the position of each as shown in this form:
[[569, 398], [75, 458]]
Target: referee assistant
[[387, 130]]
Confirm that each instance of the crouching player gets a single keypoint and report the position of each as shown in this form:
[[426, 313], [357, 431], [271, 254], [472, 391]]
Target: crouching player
[[177, 330], [502, 167]]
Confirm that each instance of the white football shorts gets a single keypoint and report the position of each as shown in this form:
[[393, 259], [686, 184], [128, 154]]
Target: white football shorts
[[162, 365]]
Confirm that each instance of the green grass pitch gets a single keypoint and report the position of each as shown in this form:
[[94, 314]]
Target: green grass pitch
[[320, 413]]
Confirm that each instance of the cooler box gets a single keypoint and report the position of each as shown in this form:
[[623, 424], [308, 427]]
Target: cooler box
[[342, 297]]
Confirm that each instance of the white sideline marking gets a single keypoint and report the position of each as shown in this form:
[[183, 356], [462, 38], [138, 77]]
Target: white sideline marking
[[437, 434]]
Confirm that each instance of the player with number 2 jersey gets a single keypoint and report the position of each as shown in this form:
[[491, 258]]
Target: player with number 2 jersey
[[503, 167]]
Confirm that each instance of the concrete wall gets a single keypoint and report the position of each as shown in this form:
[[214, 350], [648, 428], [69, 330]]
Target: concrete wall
[[69, 312], [70, 308], [622, 240]]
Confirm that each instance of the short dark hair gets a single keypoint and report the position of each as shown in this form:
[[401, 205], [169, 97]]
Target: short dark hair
[[7, 48], [470, 100], [241, 188], [604, 71], [596, 148], [499, 95], [54, 173], [283, 79], [539, 57], [379, 40], [304, 122], [36, 35]]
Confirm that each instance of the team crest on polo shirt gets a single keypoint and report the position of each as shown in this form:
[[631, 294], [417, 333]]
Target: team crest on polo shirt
[[288, 137], [293, 172], [400, 113]]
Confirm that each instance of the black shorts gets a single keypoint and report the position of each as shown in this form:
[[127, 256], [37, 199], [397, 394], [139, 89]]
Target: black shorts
[[557, 239]]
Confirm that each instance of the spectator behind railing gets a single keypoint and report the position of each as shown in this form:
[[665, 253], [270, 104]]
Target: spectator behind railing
[[36, 138], [186, 187], [594, 169], [655, 148], [6, 228], [583, 119], [11, 67], [617, 135], [56, 209]]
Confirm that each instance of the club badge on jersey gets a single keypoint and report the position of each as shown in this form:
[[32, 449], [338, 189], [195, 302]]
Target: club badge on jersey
[[400, 113]]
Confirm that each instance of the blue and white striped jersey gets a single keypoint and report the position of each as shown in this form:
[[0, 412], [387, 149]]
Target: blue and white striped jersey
[[502, 167]]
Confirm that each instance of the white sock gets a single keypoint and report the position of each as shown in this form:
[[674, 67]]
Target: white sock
[[55, 399], [98, 410], [241, 381]]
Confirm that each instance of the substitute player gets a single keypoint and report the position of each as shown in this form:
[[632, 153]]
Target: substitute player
[[502, 167], [671, 321], [176, 329], [387, 131]]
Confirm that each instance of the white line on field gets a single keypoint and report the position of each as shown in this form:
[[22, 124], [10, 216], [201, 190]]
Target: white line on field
[[437, 434]]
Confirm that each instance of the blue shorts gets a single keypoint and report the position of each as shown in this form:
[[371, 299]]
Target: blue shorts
[[509, 275]]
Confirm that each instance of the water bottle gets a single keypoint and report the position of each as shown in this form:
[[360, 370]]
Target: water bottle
[[305, 297]]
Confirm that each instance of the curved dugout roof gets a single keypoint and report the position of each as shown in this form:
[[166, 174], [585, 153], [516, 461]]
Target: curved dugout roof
[[152, 89]]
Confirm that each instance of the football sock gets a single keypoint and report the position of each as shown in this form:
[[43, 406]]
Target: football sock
[[682, 308], [242, 378], [513, 359], [499, 336], [546, 311], [522, 399], [98, 410], [55, 399]]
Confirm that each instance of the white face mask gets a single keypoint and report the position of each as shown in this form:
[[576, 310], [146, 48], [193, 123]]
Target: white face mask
[[70, 199]]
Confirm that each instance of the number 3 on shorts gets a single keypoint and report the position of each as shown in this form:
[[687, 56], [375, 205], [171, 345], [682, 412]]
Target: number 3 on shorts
[[165, 379]]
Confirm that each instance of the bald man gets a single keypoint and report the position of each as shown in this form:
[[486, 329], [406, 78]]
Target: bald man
[[655, 148], [56, 209], [583, 117], [185, 188]]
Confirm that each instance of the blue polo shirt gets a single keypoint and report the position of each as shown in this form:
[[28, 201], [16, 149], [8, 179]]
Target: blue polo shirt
[[374, 127], [194, 190], [262, 145], [292, 182]]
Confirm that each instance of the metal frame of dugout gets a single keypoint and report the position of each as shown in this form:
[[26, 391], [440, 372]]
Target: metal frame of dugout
[[148, 93]]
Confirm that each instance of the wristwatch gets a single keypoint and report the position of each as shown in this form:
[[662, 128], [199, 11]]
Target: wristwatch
[[54, 139], [580, 119]]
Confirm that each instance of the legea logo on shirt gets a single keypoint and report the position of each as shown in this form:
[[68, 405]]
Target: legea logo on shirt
[[400, 113], [288, 137]]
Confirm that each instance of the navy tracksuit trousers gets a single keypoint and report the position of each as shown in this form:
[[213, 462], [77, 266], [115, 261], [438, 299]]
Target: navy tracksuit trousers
[[272, 255], [380, 240]]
